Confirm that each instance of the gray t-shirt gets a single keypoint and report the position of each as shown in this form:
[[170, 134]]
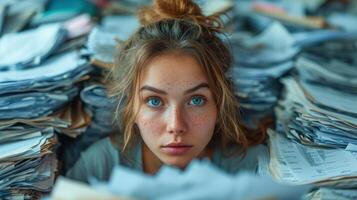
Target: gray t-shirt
[[99, 160]]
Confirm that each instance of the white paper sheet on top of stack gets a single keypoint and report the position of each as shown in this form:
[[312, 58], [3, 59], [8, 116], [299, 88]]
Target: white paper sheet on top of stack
[[29, 48]]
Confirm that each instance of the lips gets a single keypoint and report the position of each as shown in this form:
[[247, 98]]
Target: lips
[[176, 148]]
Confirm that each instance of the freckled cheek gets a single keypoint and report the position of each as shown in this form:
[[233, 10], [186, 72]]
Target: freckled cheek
[[149, 123], [205, 120]]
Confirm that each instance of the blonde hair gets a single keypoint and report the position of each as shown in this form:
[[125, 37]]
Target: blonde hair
[[176, 26]]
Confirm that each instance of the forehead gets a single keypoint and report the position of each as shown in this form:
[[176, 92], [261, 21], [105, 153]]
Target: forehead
[[173, 70]]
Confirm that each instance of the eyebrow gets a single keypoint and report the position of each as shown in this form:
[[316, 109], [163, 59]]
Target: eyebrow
[[153, 89]]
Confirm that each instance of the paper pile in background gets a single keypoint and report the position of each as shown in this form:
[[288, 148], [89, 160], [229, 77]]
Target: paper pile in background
[[299, 164], [316, 129], [314, 140], [28, 164], [259, 62], [38, 98], [30, 115], [42, 90], [319, 103]]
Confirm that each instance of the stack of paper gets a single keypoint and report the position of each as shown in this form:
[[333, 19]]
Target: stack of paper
[[70, 120], [34, 104], [319, 105], [259, 62], [28, 163], [300, 164], [57, 72], [316, 130], [312, 124], [316, 114], [42, 90], [37, 100], [200, 180]]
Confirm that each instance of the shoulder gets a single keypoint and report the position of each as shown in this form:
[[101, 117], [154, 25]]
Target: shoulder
[[97, 161], [250, 161]]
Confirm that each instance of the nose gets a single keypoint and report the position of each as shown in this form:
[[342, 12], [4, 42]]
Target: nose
[[176, 123]]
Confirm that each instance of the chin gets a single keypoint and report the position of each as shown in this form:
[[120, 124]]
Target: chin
[[179, 162]]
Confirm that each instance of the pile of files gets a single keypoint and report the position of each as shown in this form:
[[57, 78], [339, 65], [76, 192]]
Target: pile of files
[[27, 162], [259, 62], [37, 101], [319, 104], [315, 140], [298, 164], [320, 114], [38, 91], [200, 180]]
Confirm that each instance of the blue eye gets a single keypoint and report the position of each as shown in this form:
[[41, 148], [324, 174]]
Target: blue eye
[[197, 101], [154, 102]]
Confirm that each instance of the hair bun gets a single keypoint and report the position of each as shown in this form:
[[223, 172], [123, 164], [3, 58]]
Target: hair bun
[[177, 9]]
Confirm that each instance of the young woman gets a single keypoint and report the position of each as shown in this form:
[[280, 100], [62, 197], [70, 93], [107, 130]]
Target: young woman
[[174, 101]]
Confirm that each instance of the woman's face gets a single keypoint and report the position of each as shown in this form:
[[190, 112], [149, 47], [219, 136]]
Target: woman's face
[[177, 112]]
